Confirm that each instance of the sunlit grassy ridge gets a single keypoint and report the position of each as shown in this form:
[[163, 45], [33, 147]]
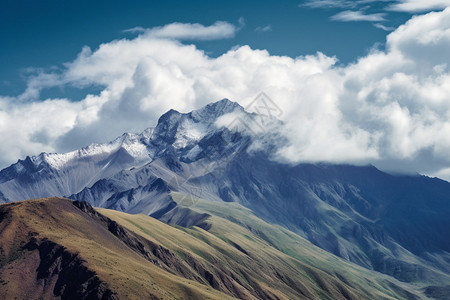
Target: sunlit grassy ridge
[[126, 272], [239, 240], [239, 256]]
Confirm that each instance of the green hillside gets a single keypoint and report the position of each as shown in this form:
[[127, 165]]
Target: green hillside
[[53, 248]]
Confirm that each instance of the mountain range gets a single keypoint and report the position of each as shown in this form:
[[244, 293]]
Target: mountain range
[[213, 175]]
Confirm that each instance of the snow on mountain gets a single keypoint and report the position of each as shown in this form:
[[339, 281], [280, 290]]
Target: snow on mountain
[[223, 153], [132, 143], [53, 174]]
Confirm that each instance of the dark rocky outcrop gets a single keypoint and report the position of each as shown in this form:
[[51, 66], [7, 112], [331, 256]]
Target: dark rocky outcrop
[[67, 273], [438, 292]]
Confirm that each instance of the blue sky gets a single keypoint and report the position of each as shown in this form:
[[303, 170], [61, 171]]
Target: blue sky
[[364, 81], [42, 34]]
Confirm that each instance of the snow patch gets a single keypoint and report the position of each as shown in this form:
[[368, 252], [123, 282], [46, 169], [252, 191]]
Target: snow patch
[[188, 133], [134, 144]]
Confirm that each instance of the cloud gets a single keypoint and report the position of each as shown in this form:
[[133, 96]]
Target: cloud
[[419, 5], [357, 16], [33, 127], [137, 29], [389, 108], [330, 4], [383, 27], [190, 31], [263, 28], [241, 22]]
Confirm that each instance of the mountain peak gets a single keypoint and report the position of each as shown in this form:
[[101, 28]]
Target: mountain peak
[[206, 115], [168, 115], [223, 105], [188, 128], [212, 111]]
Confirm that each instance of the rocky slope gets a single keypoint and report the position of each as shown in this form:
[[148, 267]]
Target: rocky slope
[[56, 248], [397, 225]]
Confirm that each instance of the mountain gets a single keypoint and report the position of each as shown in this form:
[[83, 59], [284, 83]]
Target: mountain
[[61, 174], [223, 155], [65, 174], [68, 250]]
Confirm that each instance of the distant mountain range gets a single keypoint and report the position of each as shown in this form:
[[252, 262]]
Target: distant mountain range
[[196, 167]]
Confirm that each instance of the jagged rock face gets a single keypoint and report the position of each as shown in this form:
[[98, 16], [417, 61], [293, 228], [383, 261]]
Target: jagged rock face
[[176, 135], [34, 267], [77, 252], [66, 273], [358, 213]]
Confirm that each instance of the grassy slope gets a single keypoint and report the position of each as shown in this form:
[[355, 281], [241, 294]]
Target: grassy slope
[[126, 272], [258, 251], [259, 256]]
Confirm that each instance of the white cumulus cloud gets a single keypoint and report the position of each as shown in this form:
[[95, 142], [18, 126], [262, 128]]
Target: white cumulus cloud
[[390, 107], [419, 5]]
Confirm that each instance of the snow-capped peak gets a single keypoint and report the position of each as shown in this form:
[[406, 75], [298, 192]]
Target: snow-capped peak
[[180, 130], [209, 113], [134, 144]]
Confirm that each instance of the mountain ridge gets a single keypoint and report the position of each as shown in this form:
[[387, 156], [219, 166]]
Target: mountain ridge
[[92, 253], [394, 224]]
